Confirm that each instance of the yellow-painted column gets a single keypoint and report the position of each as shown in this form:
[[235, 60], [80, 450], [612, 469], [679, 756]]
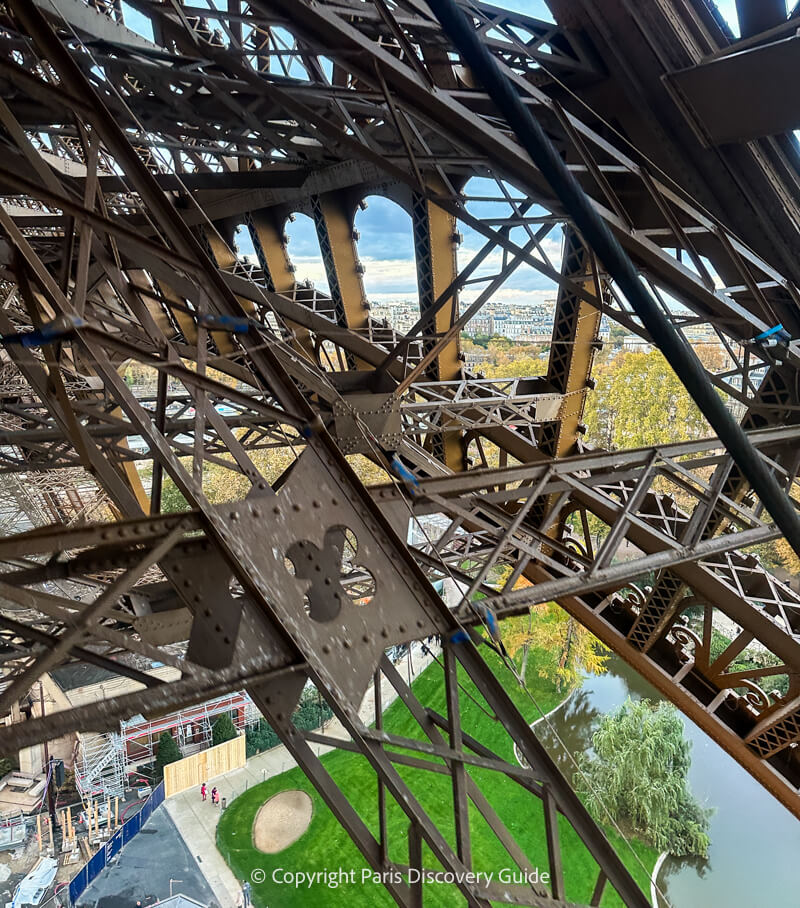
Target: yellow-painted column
[[575, 327], [269, 242], [437, 268], [334, 221]]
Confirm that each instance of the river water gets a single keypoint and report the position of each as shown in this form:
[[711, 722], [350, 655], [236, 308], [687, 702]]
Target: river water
[[754, 858]]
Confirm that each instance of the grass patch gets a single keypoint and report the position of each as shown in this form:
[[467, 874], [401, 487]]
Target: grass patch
[[325, 845]]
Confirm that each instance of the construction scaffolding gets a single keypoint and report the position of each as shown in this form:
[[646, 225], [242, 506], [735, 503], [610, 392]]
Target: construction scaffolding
[[100, 768], [106, 759]]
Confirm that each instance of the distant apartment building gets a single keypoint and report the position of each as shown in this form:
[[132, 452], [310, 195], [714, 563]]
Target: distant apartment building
[[526, 323], [631, 343], [481, 325], [401, 315]]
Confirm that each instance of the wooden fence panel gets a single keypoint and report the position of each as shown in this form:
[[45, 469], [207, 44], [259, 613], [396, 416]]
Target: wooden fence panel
[[191, 772]]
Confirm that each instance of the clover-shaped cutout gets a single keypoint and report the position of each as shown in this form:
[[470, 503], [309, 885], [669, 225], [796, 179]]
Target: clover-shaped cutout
[[332, 572]]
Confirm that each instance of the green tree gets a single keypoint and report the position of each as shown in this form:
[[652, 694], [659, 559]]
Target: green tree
[[639, 402], [168, 752], [751, 660], [564, 648], [616, 333], [223, 730], [171, 498], [260, 737], [638, 773]]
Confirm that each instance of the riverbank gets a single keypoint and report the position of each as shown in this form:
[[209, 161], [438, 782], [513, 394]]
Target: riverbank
[[325, 844], [754, 839], [547, 720]]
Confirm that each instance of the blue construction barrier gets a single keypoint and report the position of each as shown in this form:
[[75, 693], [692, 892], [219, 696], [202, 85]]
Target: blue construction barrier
[[114, 845]]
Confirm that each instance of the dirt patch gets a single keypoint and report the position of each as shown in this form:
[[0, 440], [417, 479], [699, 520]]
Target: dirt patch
[[281, 821]]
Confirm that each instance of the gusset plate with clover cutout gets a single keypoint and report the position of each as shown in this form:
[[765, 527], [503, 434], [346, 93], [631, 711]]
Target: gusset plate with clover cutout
[[325, 568]]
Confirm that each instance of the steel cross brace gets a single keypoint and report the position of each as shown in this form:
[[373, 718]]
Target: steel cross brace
[[284, 624], [484, 507]]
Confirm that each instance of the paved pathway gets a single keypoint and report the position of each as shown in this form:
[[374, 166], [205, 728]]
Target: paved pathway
[[153, 865], [197, 821]]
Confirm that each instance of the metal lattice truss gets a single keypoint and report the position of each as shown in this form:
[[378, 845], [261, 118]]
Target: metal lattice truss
[[32, 440], [127, 166], [638, 556]]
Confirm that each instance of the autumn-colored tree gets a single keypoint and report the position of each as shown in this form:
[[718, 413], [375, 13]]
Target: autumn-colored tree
[[502, 357], [516, 367], [712, 356], [787, 556], [563, 648], [221, 484], [367, 470], [640, 402]]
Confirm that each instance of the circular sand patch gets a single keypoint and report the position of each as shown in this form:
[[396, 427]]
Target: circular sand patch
[[281, 821]]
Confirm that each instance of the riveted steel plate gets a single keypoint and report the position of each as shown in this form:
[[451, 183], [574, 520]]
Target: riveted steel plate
[[163, 628], [202, 580], [379, 413], [290, 545]]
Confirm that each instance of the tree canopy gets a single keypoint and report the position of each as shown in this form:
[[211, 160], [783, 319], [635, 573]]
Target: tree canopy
[[223, 730], [564, 648], [638, 772], [168, 752], [501, 357], [638, 402]]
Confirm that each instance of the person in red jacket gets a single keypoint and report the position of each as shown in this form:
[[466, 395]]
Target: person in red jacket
[[203, 791]]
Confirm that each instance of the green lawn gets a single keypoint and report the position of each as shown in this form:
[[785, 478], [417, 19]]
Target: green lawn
[[326, 846]]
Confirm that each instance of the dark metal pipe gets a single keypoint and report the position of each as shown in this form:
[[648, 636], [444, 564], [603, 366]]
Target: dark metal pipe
[[599, 237], [161, 419]]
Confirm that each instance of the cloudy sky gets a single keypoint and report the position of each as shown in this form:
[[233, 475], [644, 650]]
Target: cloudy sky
[[387, 253], [386, 248]]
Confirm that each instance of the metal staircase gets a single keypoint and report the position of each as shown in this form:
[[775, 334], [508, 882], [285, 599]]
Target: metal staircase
[[100, 768]]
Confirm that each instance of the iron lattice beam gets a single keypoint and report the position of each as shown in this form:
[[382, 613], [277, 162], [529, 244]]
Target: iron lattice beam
[[310, 107]]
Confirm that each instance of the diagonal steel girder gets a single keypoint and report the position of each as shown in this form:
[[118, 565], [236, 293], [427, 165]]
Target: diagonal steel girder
[[321, 484], [667, 529]]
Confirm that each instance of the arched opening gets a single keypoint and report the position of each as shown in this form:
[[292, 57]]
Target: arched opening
[[386, 252], [304, 252], [510, 334]]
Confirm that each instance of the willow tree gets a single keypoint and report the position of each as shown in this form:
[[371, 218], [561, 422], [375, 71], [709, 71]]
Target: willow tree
[[638, 773]]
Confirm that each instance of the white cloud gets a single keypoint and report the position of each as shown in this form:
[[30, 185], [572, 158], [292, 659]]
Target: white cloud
[[309, 269], [392, 278]]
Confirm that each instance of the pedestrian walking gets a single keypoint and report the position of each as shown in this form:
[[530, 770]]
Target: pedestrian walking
[[203, 791], [214, 796], [246, 893]]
